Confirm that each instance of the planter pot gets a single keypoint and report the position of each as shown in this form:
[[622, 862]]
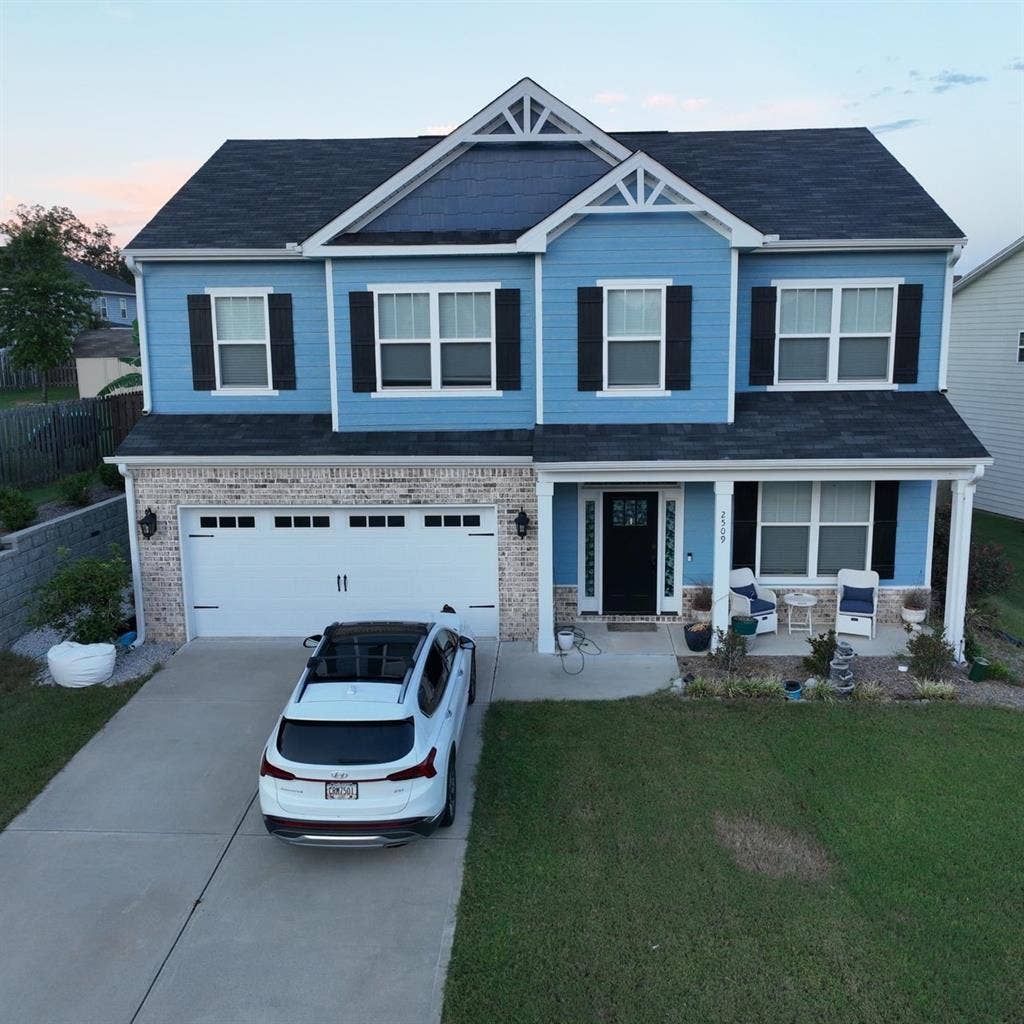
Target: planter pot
[[744, 627], [913, 616], [979, 670], [566, 639], [76, 665], [793, 689], [697, 639]]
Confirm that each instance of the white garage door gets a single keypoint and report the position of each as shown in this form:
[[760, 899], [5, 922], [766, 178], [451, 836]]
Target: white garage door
[[292, 571]]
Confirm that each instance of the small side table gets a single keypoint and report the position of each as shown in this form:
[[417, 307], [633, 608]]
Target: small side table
[[800, 601]]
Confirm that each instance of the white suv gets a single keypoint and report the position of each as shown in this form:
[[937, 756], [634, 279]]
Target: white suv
[[364, 752]]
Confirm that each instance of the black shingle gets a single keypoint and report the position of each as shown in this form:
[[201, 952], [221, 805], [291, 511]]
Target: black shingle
[[97, 280]]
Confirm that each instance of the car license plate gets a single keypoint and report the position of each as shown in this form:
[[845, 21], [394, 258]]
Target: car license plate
[[342, 790]]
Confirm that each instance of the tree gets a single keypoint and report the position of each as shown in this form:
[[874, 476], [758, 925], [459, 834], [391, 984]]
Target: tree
[[42, 304], [92, 245]]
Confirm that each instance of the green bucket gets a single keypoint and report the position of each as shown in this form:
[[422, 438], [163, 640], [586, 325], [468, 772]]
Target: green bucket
[[979, 670]]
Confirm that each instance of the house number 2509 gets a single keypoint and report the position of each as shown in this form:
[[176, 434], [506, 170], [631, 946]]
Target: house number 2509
[[723, 530]]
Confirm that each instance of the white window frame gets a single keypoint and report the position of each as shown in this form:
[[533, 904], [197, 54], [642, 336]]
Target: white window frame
[[1020, 348], [243, 293], [836, 285], [436, 389], [103, 307], [122, 309], [633, 390], [814, 524]]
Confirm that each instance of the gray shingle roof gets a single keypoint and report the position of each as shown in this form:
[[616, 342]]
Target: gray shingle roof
[[808, 184], [103, 342], [97, 280], [796, 426]]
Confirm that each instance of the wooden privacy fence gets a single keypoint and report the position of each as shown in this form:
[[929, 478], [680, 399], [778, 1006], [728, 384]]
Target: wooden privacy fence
[[12, 379], [42, 443]]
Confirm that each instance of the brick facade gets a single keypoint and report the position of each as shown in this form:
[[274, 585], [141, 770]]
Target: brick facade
[[164, 489]]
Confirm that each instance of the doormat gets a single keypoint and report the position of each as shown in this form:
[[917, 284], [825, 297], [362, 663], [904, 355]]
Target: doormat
[[632, 627]]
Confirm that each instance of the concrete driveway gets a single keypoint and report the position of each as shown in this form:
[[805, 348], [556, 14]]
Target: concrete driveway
[[140, 886]]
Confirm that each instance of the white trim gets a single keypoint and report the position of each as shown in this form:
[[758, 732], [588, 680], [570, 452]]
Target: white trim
[[538, 334], [332, 354], [241, 293], [230, 392], [404, 288], [455, 249], [993, 261], [213, 254], [717, 217], [631, 392], [734, 301], [821, 386], [838, 282], [467, 134], [933, 493], [448, 392], [947, 317], [721, 558], [545, 566], [133, 554], [238, 293], [856, 244], [637, 284], [140, 316], [634, 282]]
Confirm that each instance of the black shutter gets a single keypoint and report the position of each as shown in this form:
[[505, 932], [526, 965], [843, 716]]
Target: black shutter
[[744, 525], [590, 339], [678, 336], [200, 333], [883, 537], [506, 339], [762, 335], [364, 359], [908, 333], [282, 340]]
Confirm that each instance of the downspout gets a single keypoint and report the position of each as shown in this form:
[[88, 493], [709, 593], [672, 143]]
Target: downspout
[[140, 314], [133, 549], [947, 316]]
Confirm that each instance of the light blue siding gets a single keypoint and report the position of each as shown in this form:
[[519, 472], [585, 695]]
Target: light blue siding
[[666, 246], [926, 268], [170, 360], [698, 533], [565, 537], [495, 187], [912, 533], [370, 411], [113, 313]]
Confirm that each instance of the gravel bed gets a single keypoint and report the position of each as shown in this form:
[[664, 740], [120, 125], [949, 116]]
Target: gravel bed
[[130, 664]]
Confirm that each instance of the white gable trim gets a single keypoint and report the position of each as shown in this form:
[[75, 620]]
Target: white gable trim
[[471, 132], [628, 178]]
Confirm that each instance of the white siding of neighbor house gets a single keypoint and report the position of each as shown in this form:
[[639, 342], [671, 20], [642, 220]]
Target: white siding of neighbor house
[[986, 382]]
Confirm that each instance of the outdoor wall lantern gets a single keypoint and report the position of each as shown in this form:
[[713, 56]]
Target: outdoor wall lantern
[[147, 524], [522, 522]]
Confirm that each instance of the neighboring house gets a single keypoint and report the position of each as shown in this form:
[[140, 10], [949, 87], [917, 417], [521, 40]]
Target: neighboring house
[[986, 371], [114, 301], [537, 370], [99, 358]]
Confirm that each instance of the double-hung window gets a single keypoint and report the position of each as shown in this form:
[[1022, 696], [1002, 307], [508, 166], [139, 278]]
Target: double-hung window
[[241, 339], [435, 337], [634, 335], [122, 305], [812, 530], [835, 333], [102, 307]]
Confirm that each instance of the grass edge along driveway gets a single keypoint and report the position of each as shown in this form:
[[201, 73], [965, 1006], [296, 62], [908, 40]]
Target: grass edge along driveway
[[596, 889]]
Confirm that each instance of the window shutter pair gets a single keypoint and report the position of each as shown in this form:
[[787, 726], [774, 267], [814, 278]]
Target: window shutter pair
[[678, 338], [282, 341], [908, 334], [508, 356]]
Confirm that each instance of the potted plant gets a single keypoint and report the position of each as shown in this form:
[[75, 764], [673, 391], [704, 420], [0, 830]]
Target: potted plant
[[698, 636], [744, 625], [700, 603], [915, 607]]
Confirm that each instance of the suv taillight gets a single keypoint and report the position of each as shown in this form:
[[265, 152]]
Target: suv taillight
[[266, 768], [424, 770]]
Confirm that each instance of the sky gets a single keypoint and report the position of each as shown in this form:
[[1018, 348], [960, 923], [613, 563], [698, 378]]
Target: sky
[[108, 107]]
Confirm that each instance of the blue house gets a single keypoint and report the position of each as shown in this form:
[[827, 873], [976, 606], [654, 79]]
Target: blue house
[[113, 300], [541, 372]]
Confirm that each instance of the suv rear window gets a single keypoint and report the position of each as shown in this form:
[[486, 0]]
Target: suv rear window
[[345, 742]]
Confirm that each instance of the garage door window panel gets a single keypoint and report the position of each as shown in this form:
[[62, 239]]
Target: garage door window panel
[[241, 338]]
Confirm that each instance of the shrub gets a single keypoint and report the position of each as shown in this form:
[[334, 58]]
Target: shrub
[[931, 689], [110, 476], [17, 510], [918, 600], [74, 489], [701, 688], [730, 653], [930, 657], [991, 572], [820, 690], [701, 599], [823, 650], [755, 688], [82, 600], [999, 670], [870, 693]]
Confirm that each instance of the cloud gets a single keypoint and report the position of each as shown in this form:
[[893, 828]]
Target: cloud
[[802, 112], [946, 80], [440, 129], [669, 101], [896, 126], [914, 74], [886, 90], [1015, 65], [610, 98]]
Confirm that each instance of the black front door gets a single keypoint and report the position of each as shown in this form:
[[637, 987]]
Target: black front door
[[630, 553]]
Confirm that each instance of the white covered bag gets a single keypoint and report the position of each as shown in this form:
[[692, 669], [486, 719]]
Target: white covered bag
[[75, 665]]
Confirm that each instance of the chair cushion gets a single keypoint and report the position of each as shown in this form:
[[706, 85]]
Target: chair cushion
[[749, 591], [854, 607], [865, 595], [758, 606]]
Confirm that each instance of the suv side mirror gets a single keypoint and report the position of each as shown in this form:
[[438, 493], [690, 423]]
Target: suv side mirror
[[467, 643], [312, 641]]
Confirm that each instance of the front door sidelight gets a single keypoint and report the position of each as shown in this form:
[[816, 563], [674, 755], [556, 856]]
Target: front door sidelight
[[630, 553]]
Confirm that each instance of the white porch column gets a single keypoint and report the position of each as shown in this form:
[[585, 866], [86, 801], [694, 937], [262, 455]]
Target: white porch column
[[961, 512], [722, 565], [545, 567]]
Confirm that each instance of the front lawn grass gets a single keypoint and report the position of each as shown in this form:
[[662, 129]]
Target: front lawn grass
[[33, 396], [1009, 533], [603, 879], [43, 727]]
